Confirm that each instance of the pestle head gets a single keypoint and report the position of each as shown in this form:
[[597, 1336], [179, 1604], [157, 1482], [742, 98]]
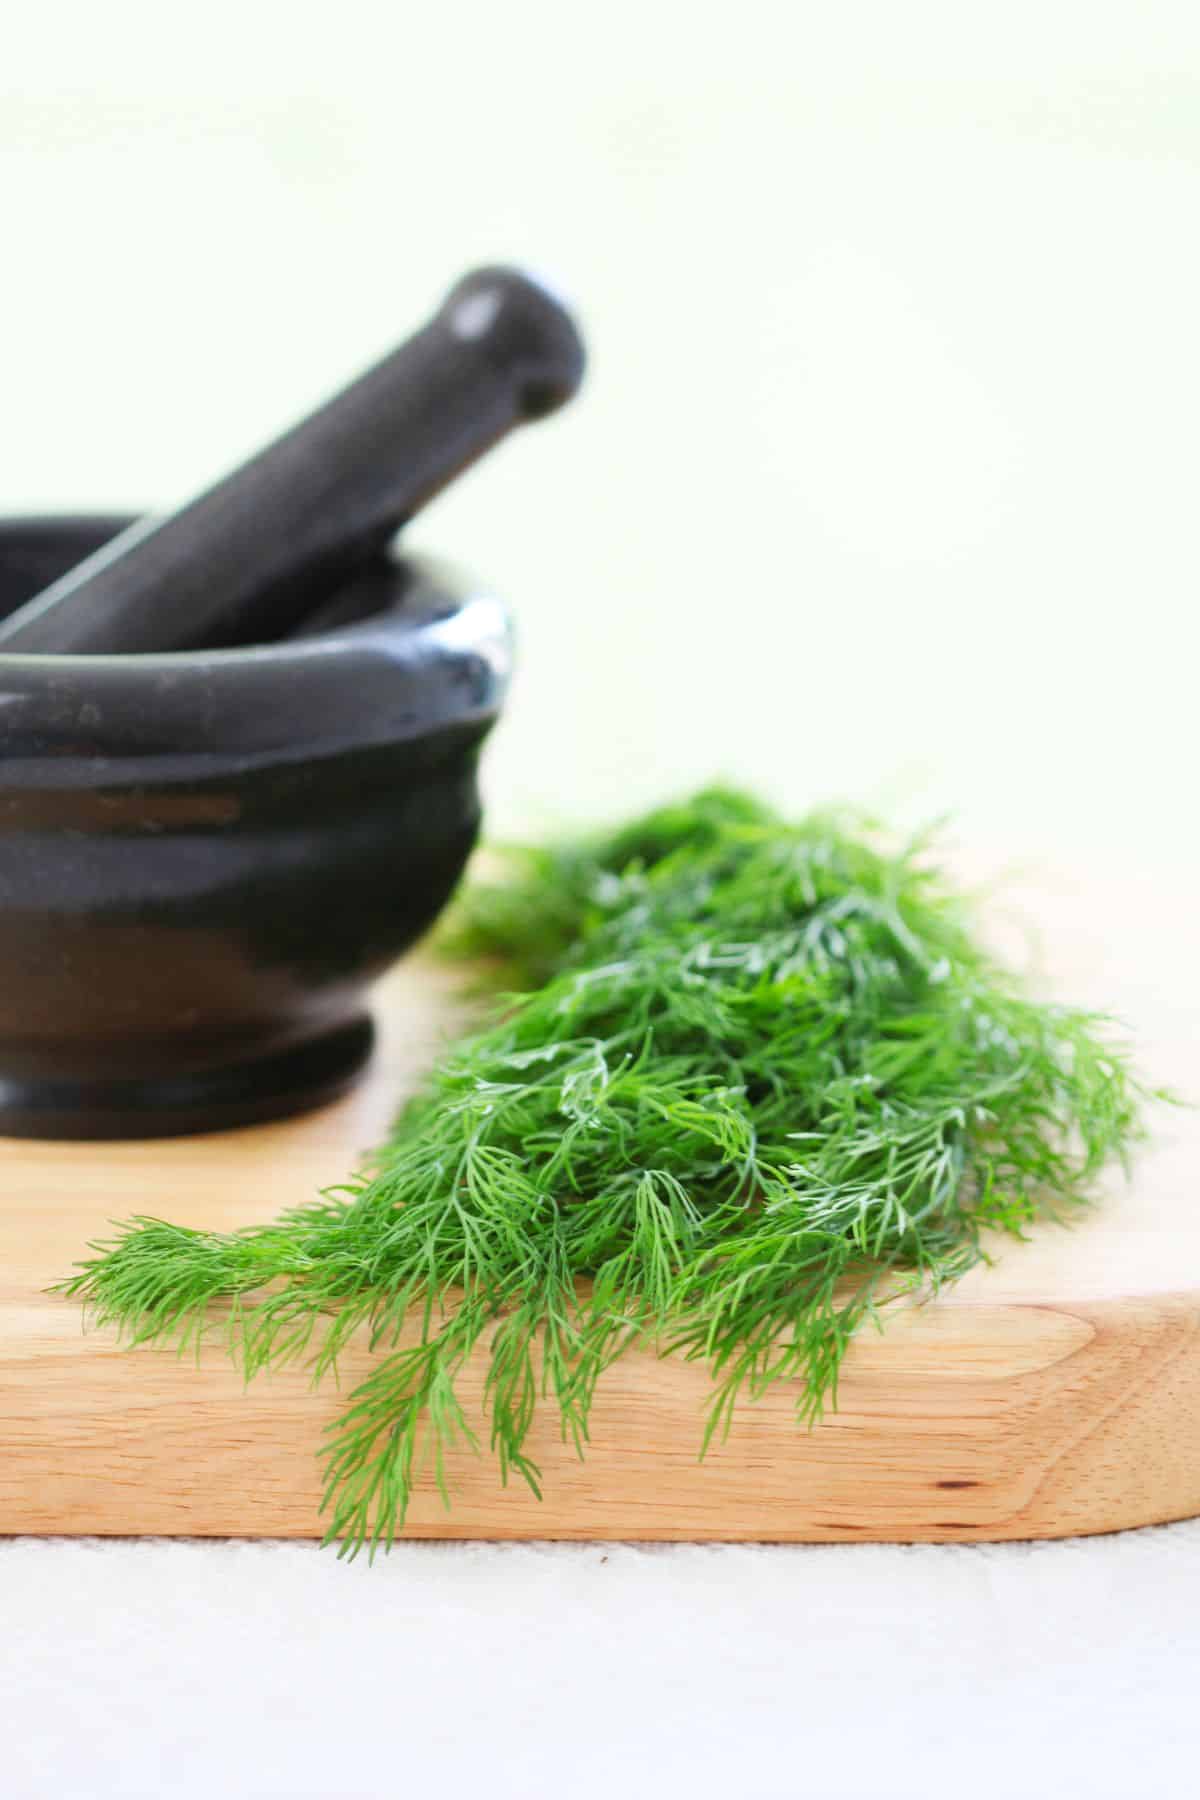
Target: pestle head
[[527, 330]]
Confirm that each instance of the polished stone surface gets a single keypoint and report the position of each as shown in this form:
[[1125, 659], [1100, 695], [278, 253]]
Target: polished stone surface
[[207, 857]]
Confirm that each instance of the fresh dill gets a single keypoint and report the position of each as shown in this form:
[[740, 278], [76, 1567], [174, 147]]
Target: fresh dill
[[755, 1078]]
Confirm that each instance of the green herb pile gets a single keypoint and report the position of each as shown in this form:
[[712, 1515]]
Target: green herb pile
[[757, 1078]]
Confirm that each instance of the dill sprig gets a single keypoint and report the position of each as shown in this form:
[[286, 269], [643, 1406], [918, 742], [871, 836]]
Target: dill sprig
[[756, 1078]]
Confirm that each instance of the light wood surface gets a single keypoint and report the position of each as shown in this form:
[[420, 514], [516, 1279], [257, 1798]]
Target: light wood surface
[[1056, 1392]]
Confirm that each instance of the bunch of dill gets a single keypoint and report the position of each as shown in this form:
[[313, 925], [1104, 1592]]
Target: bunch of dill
[[757, 1073]]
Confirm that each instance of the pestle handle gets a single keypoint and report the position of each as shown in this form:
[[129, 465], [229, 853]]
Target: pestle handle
[[243, 562]]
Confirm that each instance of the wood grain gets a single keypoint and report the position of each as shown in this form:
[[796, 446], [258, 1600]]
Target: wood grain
[[1057, 1392]]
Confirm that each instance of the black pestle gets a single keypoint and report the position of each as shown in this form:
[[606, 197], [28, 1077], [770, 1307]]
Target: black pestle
[[249, 558]]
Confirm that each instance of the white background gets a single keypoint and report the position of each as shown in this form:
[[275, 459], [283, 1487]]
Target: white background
[[885, 481], [884, 487]]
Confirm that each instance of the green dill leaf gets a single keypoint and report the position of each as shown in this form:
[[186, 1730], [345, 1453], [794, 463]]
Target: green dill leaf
[[748, 1081]]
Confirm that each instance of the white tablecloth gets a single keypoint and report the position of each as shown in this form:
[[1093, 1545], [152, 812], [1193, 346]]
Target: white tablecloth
[[272, 1671]]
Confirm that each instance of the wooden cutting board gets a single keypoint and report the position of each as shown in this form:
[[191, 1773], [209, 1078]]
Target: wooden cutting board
[[1057, 1392]]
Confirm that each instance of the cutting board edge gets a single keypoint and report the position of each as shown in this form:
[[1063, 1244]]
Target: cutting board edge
[[935, 1440]]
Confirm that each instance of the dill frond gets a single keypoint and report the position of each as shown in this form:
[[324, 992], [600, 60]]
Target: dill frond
[[752, 1078]]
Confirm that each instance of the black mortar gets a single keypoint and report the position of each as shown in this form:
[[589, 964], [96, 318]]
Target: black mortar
[[206, 857]]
